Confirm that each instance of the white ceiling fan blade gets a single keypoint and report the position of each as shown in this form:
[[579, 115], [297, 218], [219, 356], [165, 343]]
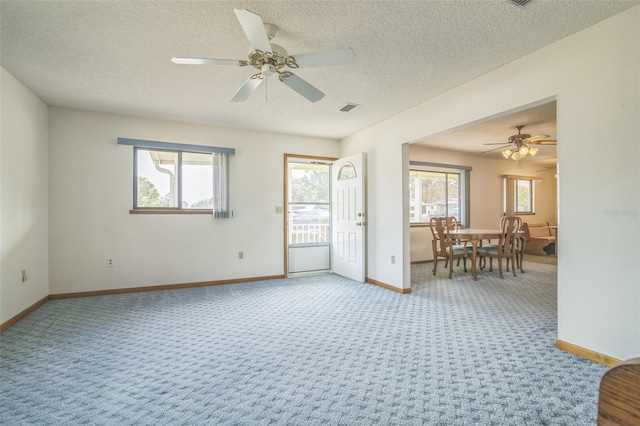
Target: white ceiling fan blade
[[249, 86], [301, 86], [253, 27], [548, 142], [535, 138], [495, 149], [319, 59], [205, 61]]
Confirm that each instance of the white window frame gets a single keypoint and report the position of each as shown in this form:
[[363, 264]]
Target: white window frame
[[178, 177], [510, 194]]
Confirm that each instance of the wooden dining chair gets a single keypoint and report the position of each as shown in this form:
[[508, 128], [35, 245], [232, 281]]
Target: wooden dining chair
[[443, 246], [453, 224], [520, 244], [505, 249]]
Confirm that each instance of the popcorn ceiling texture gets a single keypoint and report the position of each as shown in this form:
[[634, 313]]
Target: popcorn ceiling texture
[[113, 56]]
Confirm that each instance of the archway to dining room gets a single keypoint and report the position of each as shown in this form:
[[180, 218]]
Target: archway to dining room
[[471, 173]]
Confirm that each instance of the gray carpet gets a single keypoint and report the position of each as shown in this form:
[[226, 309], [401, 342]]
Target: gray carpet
[[305, 351], [550, 260]]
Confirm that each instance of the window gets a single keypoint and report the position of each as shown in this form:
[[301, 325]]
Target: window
[[171, 177], [519, 195], [437, 191], [347, 172], [523, 196]]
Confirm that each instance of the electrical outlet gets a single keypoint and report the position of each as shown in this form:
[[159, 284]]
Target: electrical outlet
[[25, 276], [278, 209], [110, 262], [393, 259], [240, 255]]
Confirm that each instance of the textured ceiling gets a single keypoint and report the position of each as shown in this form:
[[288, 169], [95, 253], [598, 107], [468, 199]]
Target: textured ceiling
[[114, 56], [472, 138]]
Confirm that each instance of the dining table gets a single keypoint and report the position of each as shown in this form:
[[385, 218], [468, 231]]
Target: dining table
[[475, 236]]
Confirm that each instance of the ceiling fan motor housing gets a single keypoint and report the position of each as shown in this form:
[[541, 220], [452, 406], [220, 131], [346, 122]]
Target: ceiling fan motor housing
[[518, 138], [277, 57]]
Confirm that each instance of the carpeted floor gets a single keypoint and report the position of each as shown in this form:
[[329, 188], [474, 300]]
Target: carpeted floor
[[305, 351], [549, 260]]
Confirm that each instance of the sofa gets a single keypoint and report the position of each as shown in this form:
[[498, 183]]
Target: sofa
[[540, 238]]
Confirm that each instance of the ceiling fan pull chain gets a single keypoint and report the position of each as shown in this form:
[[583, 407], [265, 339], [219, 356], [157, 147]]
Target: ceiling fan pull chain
[[266, 84]]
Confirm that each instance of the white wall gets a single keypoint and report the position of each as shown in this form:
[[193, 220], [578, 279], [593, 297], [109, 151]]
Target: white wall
[[486, 191], [594, 75], [23, 197], [91, 193]]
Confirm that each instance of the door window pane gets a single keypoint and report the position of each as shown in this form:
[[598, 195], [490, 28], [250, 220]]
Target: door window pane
[[309, 209], [308, 183], [347, 172]]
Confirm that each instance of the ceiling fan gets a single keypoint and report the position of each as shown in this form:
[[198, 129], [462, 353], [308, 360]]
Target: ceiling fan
[[518, 145], [271, 59]]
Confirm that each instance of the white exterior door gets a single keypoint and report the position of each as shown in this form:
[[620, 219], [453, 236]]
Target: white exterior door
[[348, 217]]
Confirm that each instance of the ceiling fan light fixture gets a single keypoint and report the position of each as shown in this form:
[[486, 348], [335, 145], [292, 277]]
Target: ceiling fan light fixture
[[268, 70], [522, 151], [522, 142]]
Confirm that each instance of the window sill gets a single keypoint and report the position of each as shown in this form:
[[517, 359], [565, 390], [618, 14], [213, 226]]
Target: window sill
[[167, 211]]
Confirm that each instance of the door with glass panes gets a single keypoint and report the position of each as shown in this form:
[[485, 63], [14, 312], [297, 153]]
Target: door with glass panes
[[308, 215]]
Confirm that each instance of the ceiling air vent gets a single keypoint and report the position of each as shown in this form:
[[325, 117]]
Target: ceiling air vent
[[349, 107], [521, 3]]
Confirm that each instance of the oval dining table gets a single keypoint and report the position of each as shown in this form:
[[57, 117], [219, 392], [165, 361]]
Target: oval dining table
[[474, 236]]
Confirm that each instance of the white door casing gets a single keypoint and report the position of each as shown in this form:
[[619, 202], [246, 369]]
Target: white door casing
[[348, 217]]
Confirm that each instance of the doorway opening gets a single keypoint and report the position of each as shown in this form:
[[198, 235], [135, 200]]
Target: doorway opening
[[532, 195], [308, 214]]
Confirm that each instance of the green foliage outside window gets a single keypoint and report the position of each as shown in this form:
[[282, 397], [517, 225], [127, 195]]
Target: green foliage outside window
[[148, 195], [310, 186]]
